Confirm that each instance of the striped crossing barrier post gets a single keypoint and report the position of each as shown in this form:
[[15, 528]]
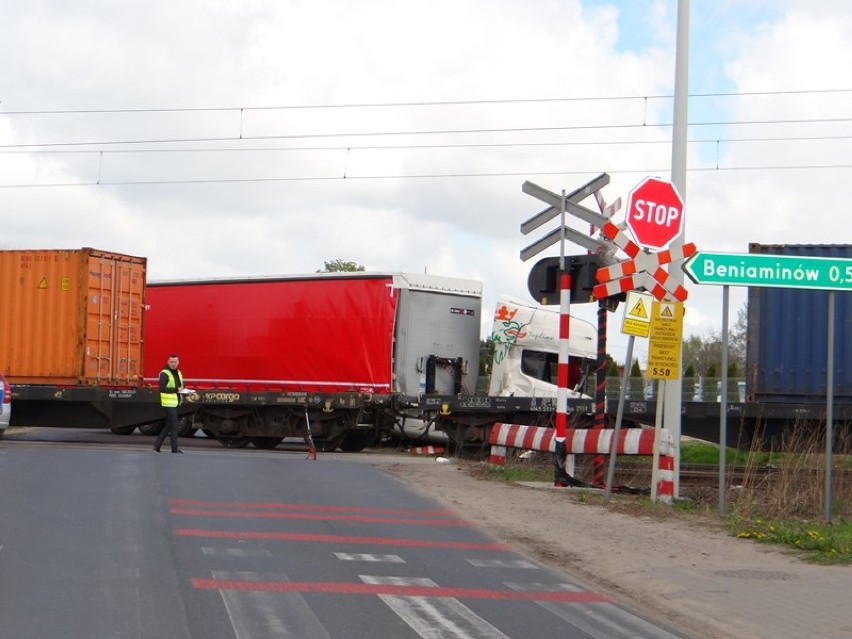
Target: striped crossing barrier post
[[631, 441], [561, 476]]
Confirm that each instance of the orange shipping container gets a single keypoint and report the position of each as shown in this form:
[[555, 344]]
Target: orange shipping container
[[71, 317]]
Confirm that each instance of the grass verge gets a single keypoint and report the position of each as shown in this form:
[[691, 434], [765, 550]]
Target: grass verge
[[782, 508]]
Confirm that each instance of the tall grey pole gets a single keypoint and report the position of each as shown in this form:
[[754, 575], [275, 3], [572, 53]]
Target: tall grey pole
[[723, 403], [674, 387], [829, 407], [619, 416]]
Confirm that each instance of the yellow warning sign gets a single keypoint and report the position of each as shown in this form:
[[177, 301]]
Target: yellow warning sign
[[664, 346], [639, 310], [43, 283], [637, 320]]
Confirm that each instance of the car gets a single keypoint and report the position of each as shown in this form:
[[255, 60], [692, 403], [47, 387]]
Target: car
[[5, 404]]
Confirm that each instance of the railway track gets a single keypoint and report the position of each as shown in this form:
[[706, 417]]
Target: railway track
[[707, 476]]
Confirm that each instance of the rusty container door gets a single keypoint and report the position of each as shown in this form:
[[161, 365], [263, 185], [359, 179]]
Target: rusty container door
[[115, 291], [71, 317]]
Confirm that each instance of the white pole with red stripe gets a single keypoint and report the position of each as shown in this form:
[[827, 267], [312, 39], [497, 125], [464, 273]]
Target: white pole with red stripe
[[564, 327], [562, 362]]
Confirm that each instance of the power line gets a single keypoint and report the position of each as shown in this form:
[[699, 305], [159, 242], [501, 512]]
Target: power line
[[362, 105], [353, 178], [356, 134], [393, 147]]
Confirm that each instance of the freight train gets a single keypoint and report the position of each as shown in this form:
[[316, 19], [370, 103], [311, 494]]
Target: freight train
[[348, 357], [355, 357]]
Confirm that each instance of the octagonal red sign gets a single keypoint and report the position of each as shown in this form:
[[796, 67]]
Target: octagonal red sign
[[654, 213]]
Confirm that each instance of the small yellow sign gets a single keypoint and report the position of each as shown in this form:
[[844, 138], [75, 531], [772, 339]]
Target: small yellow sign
[[664, 347], [637, 320], [639, 310], [43, 283]]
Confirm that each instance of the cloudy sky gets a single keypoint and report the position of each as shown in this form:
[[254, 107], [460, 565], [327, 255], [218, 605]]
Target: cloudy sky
[[257, 137]]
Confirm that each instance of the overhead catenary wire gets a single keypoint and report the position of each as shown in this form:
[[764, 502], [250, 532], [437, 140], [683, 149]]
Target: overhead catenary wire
[[421, 132], [361, 105], [247, 143], [442, 145], [351, 178]]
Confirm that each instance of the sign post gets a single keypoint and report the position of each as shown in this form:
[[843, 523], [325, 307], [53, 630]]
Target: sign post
[[780, 271], [636, 323]]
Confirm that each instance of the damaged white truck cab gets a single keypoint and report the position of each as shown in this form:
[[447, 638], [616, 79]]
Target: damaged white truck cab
[[526, 350]]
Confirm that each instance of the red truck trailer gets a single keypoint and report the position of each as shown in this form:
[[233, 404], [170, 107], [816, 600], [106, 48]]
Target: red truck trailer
[[265, 355], [303, 333]]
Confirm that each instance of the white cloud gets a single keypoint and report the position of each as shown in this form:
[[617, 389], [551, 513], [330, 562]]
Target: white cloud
[[294, 210]]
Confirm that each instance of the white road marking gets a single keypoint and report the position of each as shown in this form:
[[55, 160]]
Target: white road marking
[[598, 620], [349, 556], [501, 563], [260, 615], [434, 617]]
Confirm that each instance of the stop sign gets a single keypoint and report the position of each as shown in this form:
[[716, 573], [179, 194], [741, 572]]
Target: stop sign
[[654, 213]]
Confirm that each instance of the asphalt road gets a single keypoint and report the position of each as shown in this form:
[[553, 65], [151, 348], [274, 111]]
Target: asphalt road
[[100, 537]]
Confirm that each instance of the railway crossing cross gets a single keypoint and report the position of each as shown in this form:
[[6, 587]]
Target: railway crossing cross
[[560, 206], [643, 269]]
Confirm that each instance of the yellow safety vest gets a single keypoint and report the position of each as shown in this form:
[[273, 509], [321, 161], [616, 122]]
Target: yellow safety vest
[[171, 399]]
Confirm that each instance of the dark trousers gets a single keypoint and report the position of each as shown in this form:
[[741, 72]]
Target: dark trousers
[[171, 428]]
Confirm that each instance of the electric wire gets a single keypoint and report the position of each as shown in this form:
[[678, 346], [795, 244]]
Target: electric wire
[[421, 132], [353, 178], [464, 145], [360, 105]]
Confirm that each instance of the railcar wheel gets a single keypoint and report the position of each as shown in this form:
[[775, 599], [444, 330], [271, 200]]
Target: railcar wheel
[[356, 441], [153, 428], [266, 443], [234, 442], [123, 430], [328, 445], [185, 428]]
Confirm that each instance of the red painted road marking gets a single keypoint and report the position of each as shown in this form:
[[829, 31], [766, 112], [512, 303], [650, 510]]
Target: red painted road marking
[[312, 516], [310, 507], [348, 588], [339, 539]]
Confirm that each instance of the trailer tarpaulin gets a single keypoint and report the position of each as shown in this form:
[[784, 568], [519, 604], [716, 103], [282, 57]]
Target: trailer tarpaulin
[[308, 333]]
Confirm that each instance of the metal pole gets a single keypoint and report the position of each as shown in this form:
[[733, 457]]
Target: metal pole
[[562, 361], [561, 462], [673, 387], [610, 473], [723, 403], [680, 99], [658, 425], [829, 407]]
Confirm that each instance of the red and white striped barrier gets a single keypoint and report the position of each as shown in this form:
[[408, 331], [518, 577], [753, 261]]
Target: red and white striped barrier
[[427, 450], [631, 441]]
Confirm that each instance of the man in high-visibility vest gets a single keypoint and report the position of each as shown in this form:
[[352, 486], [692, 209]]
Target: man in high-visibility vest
[[171, 385]]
